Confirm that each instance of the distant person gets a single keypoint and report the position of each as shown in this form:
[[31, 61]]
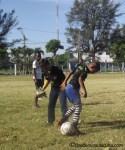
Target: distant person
[[37, 76], [75, 89], [55, 76]]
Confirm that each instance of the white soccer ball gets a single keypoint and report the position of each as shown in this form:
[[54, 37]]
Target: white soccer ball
[[67, 128]]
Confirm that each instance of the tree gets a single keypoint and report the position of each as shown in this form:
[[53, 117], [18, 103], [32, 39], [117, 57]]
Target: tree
[[38, 49], [7, 22], [53, 46], [23, 58], [90, 23], [4, 59], [63, 59], [118, 43]]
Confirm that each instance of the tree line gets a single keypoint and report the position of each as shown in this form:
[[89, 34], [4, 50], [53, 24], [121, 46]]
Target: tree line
[[92, 27]]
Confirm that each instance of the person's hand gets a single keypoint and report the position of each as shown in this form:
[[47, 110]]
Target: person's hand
[[83, 93], [42, 89], [62, 86], [43, 94], [34, 79]]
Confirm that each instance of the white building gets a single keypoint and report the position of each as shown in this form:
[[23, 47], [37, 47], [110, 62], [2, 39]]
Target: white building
[[103, 57]]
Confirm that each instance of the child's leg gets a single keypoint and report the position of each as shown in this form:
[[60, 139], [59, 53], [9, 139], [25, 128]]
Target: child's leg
[[36, 101], [66, 116], [76, 114], [70, 111], [37, 92], [36, 98], [38, 84]]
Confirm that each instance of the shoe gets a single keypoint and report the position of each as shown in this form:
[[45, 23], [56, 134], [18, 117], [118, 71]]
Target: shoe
[[77, 132], [37, 106], [39, 99], [49, 123], [79, 121], [61, 121], [41, 95]]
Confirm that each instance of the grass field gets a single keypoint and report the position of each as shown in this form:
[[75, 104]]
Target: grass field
[[22, 127]]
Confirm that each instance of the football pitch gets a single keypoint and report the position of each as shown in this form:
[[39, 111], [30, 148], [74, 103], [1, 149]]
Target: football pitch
[[22, 127]]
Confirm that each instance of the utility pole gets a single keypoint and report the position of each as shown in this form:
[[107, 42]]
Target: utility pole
[[57, 18], [25, 68], [78, 45]]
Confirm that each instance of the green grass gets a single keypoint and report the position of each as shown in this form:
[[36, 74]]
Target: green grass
[[22, 127]]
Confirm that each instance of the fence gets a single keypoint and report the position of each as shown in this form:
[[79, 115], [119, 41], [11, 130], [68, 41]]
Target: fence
[[112, 67], [17, 69], [104, 67]]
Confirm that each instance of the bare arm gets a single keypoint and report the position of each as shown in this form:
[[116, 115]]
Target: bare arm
[[62, 86], [67, 77], [34, 70], [69, 74], [46, 85], [34, 74], [83, 90]]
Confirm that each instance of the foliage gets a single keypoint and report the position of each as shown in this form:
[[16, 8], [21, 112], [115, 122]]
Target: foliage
[[4, 59], [38, 49], [53, 46], [7, 22], [90, 23], [3, 53], [23, 58], [62, 60], [118, 43]]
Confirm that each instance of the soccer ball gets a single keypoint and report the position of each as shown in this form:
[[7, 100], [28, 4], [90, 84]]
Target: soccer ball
[[67, 128]]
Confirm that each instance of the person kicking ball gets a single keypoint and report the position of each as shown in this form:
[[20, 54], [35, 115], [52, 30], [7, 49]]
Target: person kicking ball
[[75, 89]]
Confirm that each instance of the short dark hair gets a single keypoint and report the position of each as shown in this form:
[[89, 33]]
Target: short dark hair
[[37, 53], [45, 61]]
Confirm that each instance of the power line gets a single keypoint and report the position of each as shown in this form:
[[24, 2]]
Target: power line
[[40, 43], [43, 31]]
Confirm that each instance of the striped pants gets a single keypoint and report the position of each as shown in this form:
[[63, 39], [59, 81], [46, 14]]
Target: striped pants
[[75, 111]]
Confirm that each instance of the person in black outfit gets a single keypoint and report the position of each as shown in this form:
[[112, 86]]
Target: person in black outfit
[[56, 76]]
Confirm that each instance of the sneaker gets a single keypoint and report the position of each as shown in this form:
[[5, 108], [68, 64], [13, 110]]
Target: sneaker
[[77, 132], [49, 123], [79, 121], [42, 94], [37, 106], [61, 121], [39, 99]]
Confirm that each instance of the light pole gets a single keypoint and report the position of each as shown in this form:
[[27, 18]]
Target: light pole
[[24, 47], [57, 18], [78, 45]]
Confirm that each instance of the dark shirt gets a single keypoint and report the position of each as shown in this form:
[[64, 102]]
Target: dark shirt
[[73, 63], [79, 70], [55, 75]]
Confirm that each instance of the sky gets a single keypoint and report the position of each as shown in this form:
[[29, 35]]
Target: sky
[[39, 22]]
